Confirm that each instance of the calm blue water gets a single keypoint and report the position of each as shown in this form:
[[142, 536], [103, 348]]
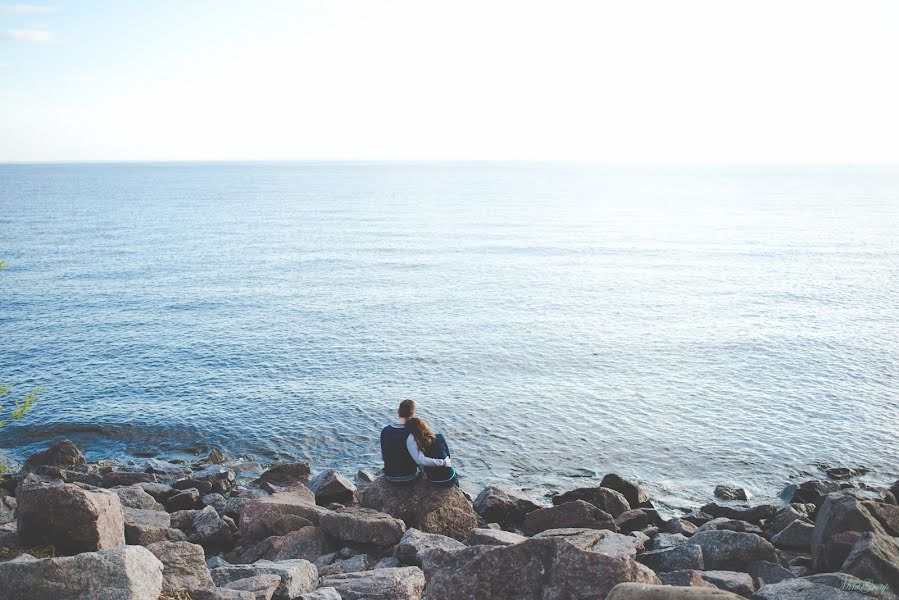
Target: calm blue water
[[684, 327]]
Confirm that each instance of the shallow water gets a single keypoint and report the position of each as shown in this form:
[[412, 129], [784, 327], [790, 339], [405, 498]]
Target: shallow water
[[684, 327]]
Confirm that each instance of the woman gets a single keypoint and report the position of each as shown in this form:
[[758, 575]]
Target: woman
[[432, 445]]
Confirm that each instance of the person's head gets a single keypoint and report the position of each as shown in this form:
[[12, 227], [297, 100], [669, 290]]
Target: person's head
[[406, 410], [423, 434]]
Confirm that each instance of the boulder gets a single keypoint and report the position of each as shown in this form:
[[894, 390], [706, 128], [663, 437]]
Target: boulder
[[136, 497], [210, 529], [262, 586], [796, 535], [846, 582], [216, 457], [184, 519], [814, 491], [875, 557], [330, 486], [62, 454], [839, 513], [220, 594], [596, 540], [753, 514], [538, 568], [667, 540], [697, 517], [886, 514], [730, 525], [189, 483], [801, 589], [605, 499], [578, 514], [263, 517], [685, 578], [356, 525], [841, 473], [69, 518], [322, 593], [632, 492], [831, 554], [143, 527], [221, 478], [633, 591], [184, 500], [675, 558], [415, 542], [125, 573], [731, 492], [681, 526], [127, 478], [426, 507], [297, 576], [632, 520], [732, 581], [494, 537], [784, 517], [354, 564], [286, 474], [764, 572], [723, 549], [307, 543], [506, 507], [184, 566], [401, 583], [167, 469], [388, 563]]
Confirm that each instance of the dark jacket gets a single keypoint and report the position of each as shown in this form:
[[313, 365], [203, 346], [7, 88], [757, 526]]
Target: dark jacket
[[398, 465], [439, 449]]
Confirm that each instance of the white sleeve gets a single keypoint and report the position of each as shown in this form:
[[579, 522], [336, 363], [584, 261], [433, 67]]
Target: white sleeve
[[419, 457]]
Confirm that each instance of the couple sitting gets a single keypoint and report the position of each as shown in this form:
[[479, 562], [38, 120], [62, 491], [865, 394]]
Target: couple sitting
[[410, 443]]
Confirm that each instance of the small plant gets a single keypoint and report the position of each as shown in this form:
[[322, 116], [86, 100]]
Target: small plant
[[2, 265], [21, 409]]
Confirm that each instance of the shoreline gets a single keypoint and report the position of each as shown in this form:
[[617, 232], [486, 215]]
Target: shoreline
[[215, 527]]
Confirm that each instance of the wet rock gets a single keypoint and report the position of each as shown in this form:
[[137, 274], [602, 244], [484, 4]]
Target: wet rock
[[143, 527], [167, 469], [814, 491], [222, 479], [724, 549], [330, 486], [62, 454], [363, 477], [685, 578], [842, 473], [731, 492], [797, 534], [675, 558], [210, 529], [263, 517], [506, 507], [126, 573], [402, 583], [753, 514], [577, 514], [297, 576], [632, 520], [840, 512], [126, 478], [69, 518], [630, 591], [800, 589], [697, 517], [432, 509], [494, 537], [681, 526], [537, 568], [184, 566], [354, 564], [605, 499], [216, 457], [286, 474], [358, 525], [307, 543], [262, 586], [185, 500], [876, 557], [415, 542], [632, 492], [732, 581], [135, 497], [764, 572]]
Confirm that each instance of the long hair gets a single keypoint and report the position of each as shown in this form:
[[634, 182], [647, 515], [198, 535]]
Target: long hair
[[423, 434]]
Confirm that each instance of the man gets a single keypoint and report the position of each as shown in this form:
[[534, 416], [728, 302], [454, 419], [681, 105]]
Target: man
[[401, 454]]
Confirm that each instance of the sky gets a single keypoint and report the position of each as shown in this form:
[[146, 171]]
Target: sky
[[695, 81]]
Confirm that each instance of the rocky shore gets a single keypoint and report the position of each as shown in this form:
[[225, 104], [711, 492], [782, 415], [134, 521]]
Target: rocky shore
[[218, 530]]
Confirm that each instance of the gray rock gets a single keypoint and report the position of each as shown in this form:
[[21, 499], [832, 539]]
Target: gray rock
[[685, 578], [216, 457], [184, 566], [286, 474], [388, 563], [506, 507], [730, 525], [143, 527], [814, 491], [605, 499], [214, 562], [262, 586], [127, 478], [633, 591], [764, 572], [876, 557], [797, 535], [297, 576], [732, 581], [495, 537], [323, 593], [731, 492], [415, 542], [216, 501], [886, 514], [330, 486], [185, 500], [222, 479], [596, 540], [753, 514], [222, 594], [632, 492], [839, 513], [263, 517], [578, 514], [363, 526], [69, 518], [62, 454], [680, 526], [800, 589], [675, 558], [307, 543], [402, 583], [160, 492], [725, 549], [210, 529], [667, 540], [355, 564], [136, 497], [125, 573]]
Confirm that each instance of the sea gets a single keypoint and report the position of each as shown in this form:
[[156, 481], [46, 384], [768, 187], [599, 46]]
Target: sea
[[682, 326]]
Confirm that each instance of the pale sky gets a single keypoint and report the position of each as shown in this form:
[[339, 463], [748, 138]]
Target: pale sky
[[622, 81]]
